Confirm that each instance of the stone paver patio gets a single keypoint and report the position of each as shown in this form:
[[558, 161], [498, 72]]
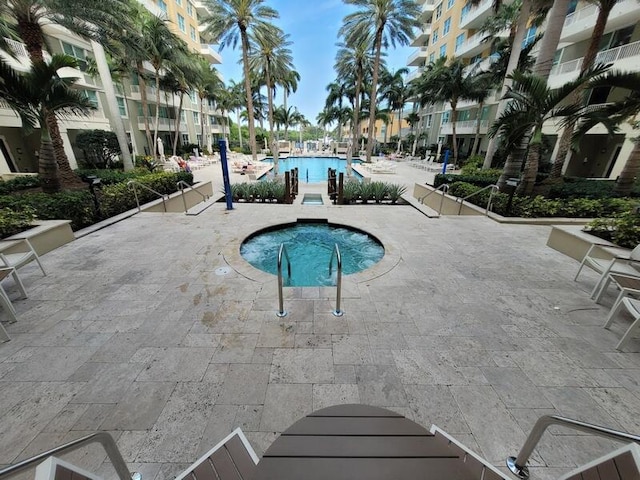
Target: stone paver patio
[[471, 325]]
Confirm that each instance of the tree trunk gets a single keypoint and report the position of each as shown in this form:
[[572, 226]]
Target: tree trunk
[[239, 128], [374, 91], [513, 165], [476, 140], [48, 167], [356, 123], [247, 86], [516, 48], [157, 121], [549, 42], [531, 166], [201, 123], [454, 119], [579, 95], [629, 173], [178, 118], [31, 35], [399, 130], [274, 142], [142, 84]]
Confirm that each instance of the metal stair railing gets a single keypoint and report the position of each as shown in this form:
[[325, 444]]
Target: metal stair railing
[[282, 253], [132, 184], [517, 465], [181, 185], [494, 189], [103, 438], [444, 188], [336, 254]]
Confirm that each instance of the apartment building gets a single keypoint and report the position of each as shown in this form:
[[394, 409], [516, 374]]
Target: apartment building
[[19, 152], [599, 155]]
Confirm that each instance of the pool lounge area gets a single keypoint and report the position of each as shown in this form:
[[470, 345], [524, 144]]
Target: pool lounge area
[[170, 344], [314, 169]]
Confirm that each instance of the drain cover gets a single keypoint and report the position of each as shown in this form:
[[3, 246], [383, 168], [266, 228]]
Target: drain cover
[[223, 271]]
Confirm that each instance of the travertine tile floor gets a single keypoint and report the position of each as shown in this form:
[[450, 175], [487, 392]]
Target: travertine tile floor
[[471, 325]]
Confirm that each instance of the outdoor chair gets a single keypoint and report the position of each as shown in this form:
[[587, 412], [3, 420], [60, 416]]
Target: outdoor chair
[[633, 307], [6, 302], [626, 265], [25, 254]]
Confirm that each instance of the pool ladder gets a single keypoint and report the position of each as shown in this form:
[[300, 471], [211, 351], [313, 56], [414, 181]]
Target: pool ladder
[[283, 254]]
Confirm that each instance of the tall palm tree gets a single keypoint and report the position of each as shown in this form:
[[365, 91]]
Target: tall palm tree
[[35, 96], [413, 119], [388, 22], [336, 95], [580, 96], [271, 58], [231, 20], [237, 102], [207, 85], [289, 84], [395, 92], [86, 18], [531, 104]]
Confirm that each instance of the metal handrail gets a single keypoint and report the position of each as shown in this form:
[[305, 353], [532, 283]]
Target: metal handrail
[[181, 184], [336, 254], [282, 253], [518, 467], [103, 438], [444, 187], [494, 189], [132, 184]]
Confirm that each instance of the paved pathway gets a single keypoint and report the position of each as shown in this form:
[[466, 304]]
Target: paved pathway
[[471, 325]]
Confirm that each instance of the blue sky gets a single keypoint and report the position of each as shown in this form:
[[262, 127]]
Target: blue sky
[[313, 28]]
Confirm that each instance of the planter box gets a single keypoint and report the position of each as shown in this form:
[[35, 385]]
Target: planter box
[[574, 243], [47, 235]]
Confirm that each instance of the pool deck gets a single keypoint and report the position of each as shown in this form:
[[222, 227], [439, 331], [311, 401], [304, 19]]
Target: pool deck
[[471, 325]]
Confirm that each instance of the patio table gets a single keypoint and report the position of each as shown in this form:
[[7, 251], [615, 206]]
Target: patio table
[[360, 442]]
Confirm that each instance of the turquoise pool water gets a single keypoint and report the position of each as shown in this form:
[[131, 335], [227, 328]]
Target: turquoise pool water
[[312, 169], [310, 246]]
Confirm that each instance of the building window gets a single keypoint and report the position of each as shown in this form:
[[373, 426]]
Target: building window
[[192, 96], [443, 50], [529, 36], [439, 11], [459, 41], [434, 37], [432, 57], [162, 5], [196, 118], [212, 120], [92, 97], [450, 4], [192, 33], [122, 106], [446, 27], [199, 139], [76, 52], [465, 11], [183, 117], [428, 121], [181, 25], [185, 139], [179, 3], [445, 116], [190, 9]]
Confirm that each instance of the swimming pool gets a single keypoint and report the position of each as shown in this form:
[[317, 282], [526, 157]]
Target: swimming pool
[[310, 246], [312, 169]]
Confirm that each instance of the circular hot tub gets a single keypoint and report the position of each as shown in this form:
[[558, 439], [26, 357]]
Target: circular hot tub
[[310, 247]]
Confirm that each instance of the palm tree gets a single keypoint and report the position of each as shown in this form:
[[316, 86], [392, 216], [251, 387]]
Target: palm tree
[[233, 19], [86, 18], [237, 102], [271, 58], [36, 96], [388, 22], [531, 104], [395, 91], [207, 85], [448, 83], [335, 99], [604, 9]]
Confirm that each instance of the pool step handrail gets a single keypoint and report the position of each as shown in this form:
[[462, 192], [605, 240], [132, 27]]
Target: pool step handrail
[[494, 189], [282, 253], [181, 185], [132, 185], [336, 254]]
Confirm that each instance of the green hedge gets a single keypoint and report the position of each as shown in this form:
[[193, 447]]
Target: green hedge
[[15, 221], [573, 187], [111, 177], [78, 205], [19, 183], [538, 207], [478, 180]]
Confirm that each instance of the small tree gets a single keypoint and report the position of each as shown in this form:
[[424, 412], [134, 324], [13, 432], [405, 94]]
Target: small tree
[[101, 148]]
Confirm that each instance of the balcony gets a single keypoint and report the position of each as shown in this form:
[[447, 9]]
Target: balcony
[[201, 8], [475, 16], [415, 74], [465, 127], [422, 37], [473, 45], [624, 58], [427, 10], [579, 25], [418, 58], [164, 124], [209, 52]]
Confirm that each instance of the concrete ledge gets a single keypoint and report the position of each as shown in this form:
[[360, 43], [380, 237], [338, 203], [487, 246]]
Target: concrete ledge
[[46, 236], [574, 243]]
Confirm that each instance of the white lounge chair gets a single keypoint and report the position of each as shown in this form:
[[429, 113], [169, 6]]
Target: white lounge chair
[[624, 264]]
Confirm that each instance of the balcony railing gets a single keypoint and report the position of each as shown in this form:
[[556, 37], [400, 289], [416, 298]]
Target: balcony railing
[[606, 56], [580, 14], [422, 53], [18, 48], [465, 124], [473, 12]]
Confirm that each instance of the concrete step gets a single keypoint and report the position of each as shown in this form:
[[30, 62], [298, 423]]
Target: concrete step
[[202, 206]]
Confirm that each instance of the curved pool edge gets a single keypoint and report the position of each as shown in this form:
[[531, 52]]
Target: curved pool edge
[[231, 254]]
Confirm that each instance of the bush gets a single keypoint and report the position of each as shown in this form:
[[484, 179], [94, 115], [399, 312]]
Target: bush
[[15, 221], [265, 191], [19, 183], [582, 187], [101, 147], [623, 229], [111, 177], [478, 179], [76, 206]]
